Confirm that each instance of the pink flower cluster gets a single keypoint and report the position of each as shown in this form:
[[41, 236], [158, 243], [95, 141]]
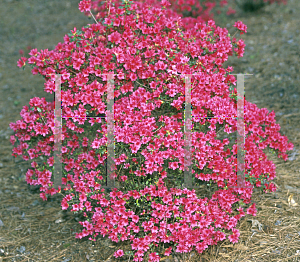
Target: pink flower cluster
[[200, 11], [239, 25], [140, 48]]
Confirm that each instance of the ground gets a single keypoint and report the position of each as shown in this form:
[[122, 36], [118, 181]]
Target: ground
[[35, 230]]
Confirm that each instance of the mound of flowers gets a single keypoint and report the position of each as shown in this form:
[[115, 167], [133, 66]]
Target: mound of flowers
[[149, 56]]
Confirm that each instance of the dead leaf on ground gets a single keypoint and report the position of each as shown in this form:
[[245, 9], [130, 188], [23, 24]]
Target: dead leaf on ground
[[291, 201]]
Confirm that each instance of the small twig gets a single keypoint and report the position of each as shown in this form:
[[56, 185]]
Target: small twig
[[108, 10], [218, 250], [158, 129], [140, 83], [93, 17], [109, 257], [293, 114], [234, 34], [220, 130], [42, 118], [72, 71]]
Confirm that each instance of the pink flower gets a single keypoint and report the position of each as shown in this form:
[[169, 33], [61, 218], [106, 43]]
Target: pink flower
[[119, 253], [85, 5], [234, 238], [168, 251], [154, 257], [230, 11], [252, 210], [115, 37], [22, 61], [165, 3], [239, 25]]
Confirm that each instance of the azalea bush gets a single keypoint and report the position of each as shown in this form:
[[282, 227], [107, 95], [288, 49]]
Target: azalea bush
[[191, 11], [149, 55]]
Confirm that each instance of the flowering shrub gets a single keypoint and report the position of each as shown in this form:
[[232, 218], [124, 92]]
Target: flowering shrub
[[192, 11], [141, 48]]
